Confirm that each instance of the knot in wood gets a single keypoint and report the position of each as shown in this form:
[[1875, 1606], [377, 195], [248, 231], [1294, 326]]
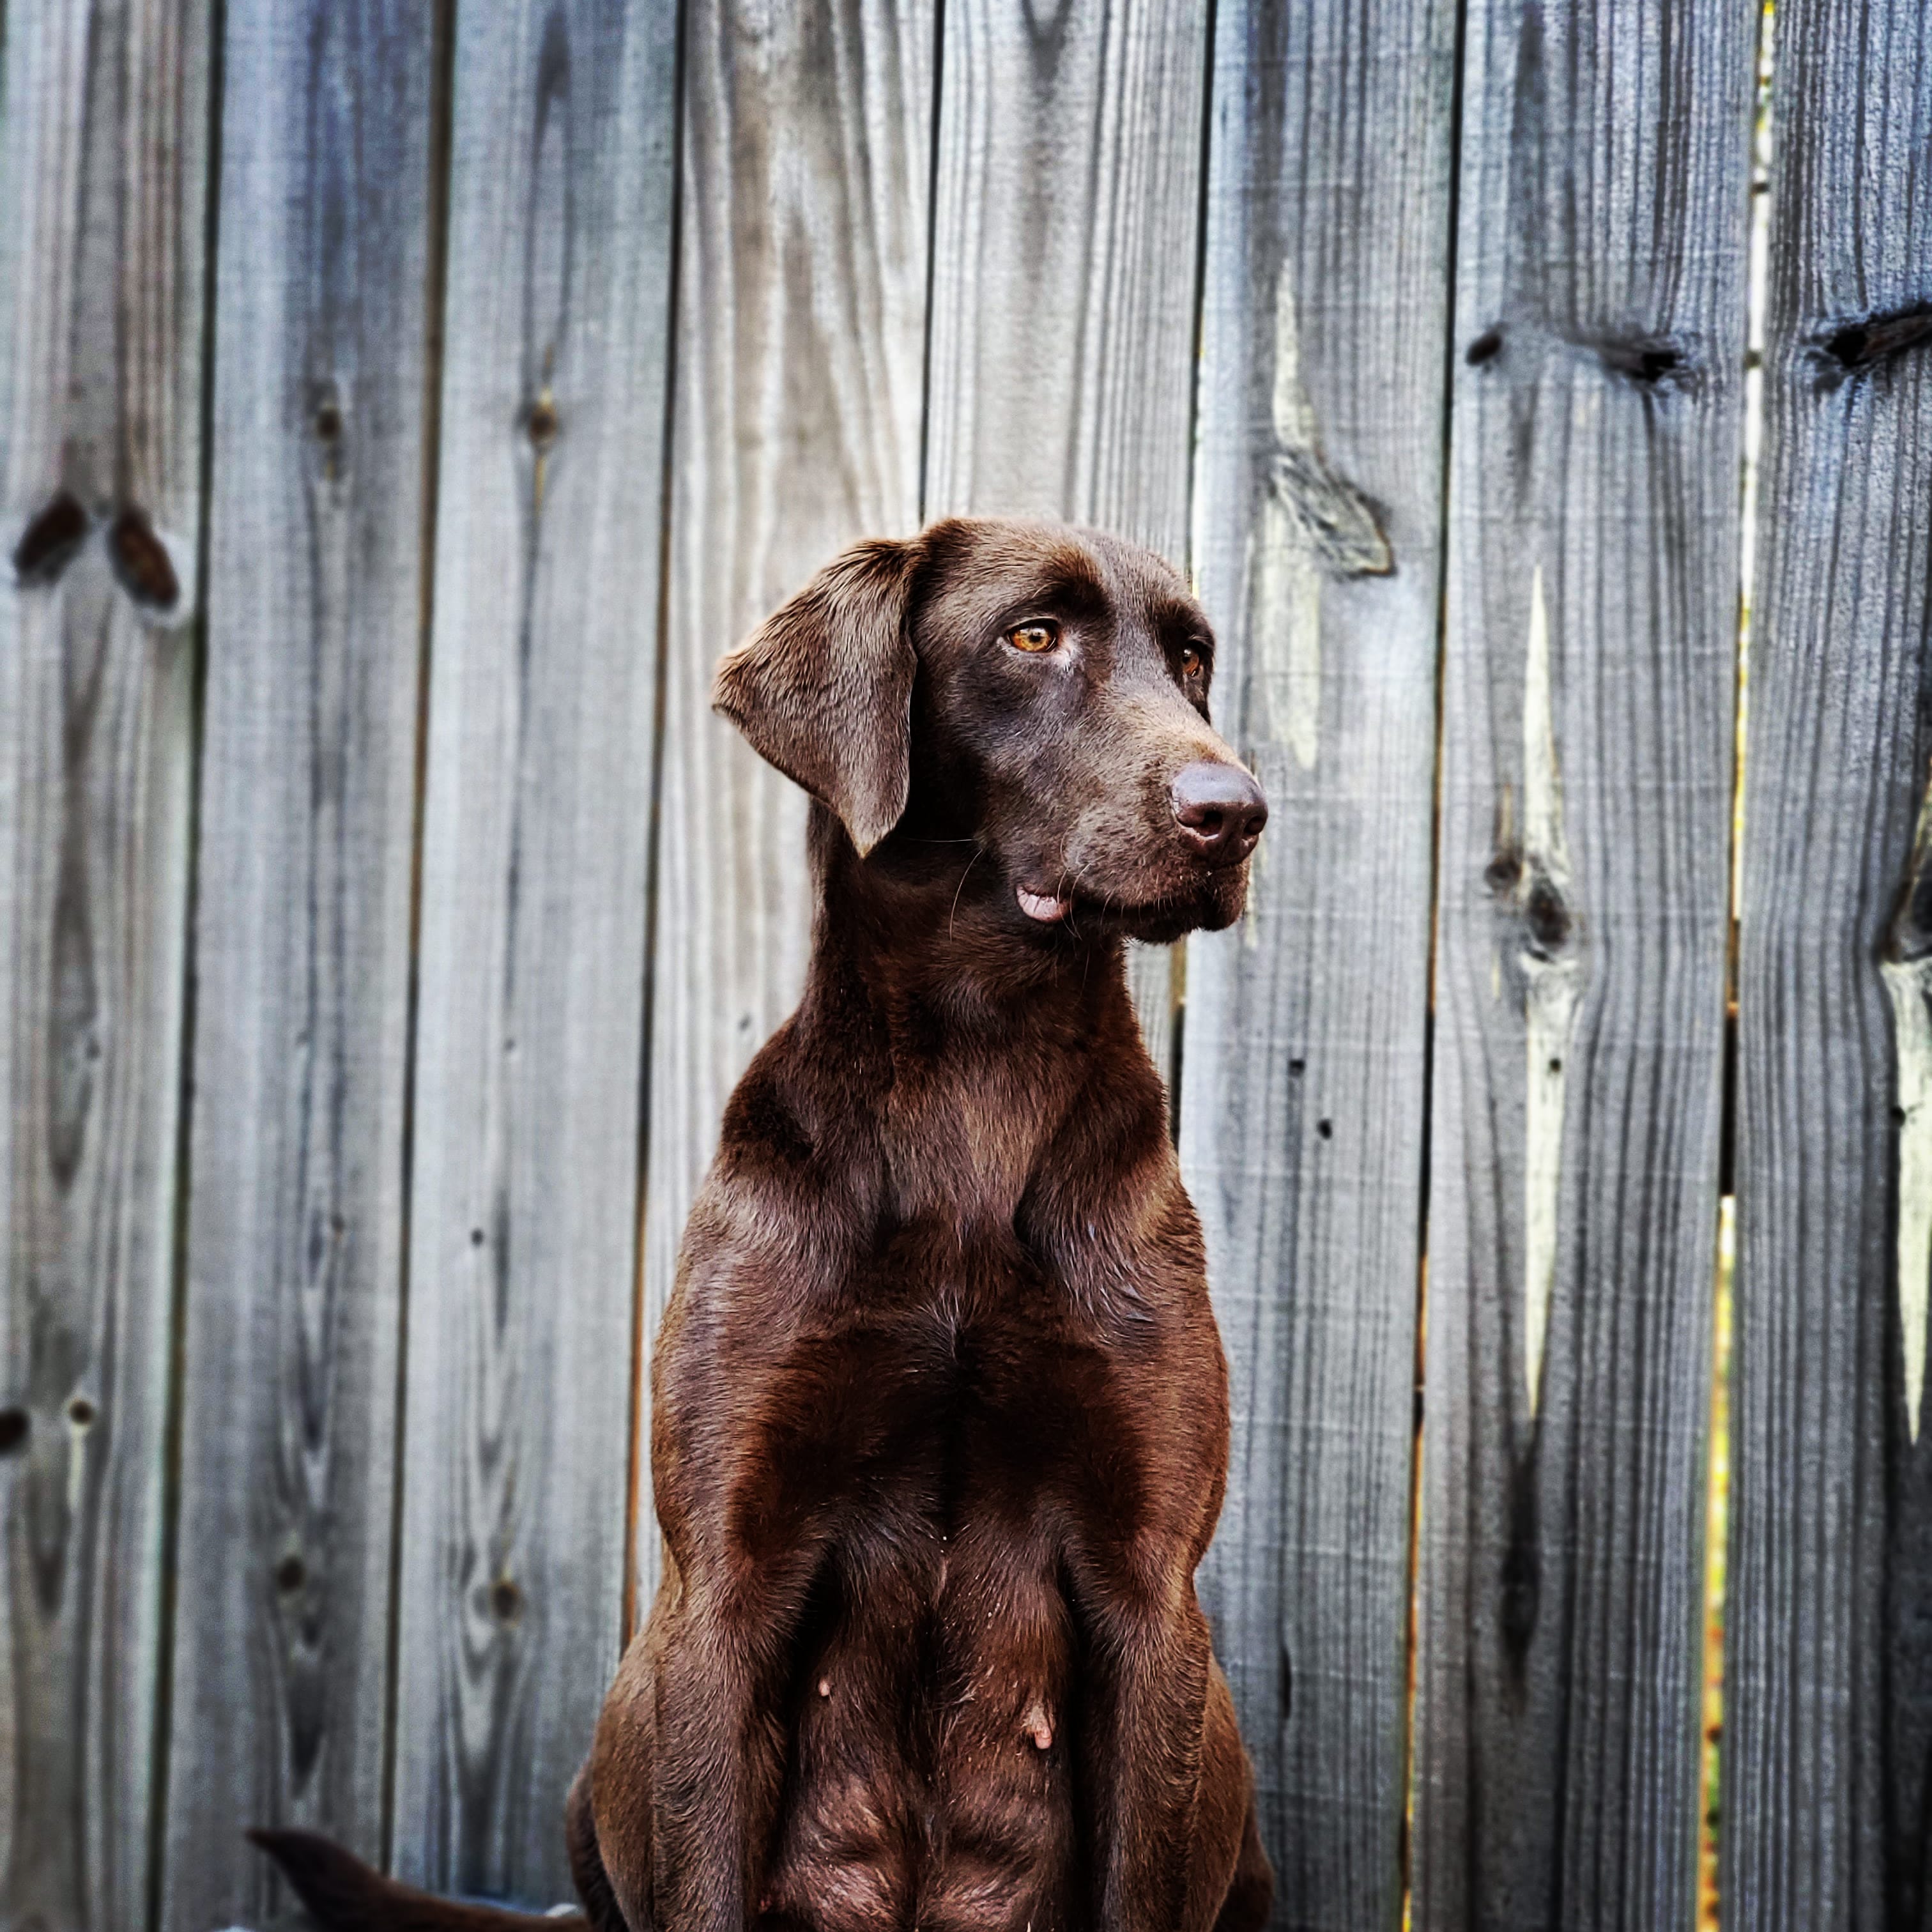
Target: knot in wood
[[1503, 873], [1521, 1591], [1645, 362], [141, 560], [1877, 338], [1545, 918], [53, 533]]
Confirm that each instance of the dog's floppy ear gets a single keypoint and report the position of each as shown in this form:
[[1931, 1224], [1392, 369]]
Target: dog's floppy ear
[[822, 688]]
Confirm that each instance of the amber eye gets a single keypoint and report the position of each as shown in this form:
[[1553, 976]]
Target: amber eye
[[1037, 633], [1193, 661]]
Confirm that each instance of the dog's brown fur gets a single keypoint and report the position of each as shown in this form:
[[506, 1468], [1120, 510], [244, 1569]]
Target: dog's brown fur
[[940, 1421]]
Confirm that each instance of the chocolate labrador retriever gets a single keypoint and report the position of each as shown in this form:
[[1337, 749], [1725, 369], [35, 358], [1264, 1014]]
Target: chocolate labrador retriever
[[939, 1411]]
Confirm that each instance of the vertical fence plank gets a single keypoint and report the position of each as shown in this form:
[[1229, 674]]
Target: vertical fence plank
[[1318, 518], [1828, 1697], [542, 690], [1065, 211], [102, 187], [302, 944], [1065, 242], [800, 339], [1583, 925]]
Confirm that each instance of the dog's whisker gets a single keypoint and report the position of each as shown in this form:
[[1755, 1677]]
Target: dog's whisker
[[1072, 904], [978, 852]]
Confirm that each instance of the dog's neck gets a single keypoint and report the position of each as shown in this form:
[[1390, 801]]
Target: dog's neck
[[939, 1040], [924, 940]]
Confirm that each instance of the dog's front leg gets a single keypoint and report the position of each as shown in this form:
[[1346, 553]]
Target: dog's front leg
[[720, 1763], [1148, 1661]]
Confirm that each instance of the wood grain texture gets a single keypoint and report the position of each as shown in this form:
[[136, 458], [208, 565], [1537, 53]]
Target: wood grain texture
[[1828, 1669], [104, 148], [1301, 1104], [800, 346], [307, 826], [1067, 209], [522, 1244], [1589, 672]]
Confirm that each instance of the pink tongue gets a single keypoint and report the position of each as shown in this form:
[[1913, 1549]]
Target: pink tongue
[[1038, 905]]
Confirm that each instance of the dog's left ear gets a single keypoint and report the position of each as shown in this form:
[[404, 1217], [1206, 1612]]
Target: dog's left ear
[[822, 688]]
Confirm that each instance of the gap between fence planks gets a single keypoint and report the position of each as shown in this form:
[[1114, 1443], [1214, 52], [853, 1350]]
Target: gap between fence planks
[[1066, 213], [800, 334], [1318, 515], [1589, 668], [104, 156], [1828, 1693], [307, 833], [530, 1032]]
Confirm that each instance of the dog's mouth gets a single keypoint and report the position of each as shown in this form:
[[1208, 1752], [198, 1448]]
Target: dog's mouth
[[1047, 908], [1215, 902]]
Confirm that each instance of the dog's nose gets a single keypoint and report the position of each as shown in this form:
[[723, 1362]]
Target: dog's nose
[[1221, 810]]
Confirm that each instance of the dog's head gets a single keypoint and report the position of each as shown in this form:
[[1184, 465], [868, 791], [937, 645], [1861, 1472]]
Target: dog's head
[[1039, 691]]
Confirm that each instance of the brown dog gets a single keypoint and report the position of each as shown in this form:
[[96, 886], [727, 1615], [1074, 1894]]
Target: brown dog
[[939, 1419]]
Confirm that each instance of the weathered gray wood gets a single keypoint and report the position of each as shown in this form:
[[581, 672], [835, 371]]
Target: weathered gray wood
[[1828, 1697], [1588, 676], [800, 344], [104, 149], [303, 872], [1066, 209], [1065, 247], [1318, 521], [522, 1243]]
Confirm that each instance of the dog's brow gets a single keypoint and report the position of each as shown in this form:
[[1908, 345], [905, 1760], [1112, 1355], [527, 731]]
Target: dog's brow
[[1173, 617], [1173, 623], [1061, 587]]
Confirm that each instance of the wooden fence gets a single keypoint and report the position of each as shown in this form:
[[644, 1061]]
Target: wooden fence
[[405, 404]]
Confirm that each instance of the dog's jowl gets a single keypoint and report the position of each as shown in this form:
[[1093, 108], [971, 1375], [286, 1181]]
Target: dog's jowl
[[939, 1410]]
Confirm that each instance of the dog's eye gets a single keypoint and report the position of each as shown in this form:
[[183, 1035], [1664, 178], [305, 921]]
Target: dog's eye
[[1037, 633], [1193, 661]]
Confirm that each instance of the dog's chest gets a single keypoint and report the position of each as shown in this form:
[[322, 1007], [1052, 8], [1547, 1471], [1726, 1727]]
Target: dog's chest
[[972, 1379], [962, 1136], [934, 1731], [960, 1404]]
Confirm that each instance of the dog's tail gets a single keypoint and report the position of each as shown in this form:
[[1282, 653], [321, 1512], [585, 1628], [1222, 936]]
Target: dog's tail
[[344, 1895]]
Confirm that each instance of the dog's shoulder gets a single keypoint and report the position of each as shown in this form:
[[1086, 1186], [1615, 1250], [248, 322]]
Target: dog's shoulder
[[787, 1203]]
